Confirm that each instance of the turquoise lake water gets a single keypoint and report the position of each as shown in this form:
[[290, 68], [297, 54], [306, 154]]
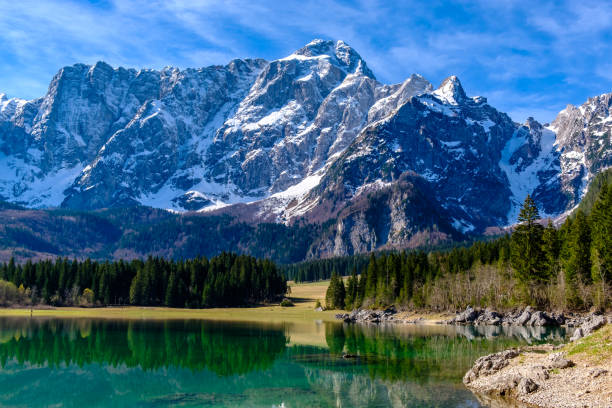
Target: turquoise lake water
[[102, 363]]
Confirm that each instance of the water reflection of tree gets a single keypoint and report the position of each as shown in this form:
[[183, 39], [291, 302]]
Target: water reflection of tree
[[422, 354], [224, 349]]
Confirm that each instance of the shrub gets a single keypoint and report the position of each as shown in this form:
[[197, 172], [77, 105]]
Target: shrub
[[87, 298], [8, 293], [286, 303]]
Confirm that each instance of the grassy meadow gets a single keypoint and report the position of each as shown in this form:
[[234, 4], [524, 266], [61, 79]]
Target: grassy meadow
[[303, 295]]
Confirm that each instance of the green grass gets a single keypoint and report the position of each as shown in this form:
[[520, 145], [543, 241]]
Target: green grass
[[595, 348], [303, 296]]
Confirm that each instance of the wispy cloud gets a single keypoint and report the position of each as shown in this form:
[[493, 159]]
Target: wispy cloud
[[525, 56]]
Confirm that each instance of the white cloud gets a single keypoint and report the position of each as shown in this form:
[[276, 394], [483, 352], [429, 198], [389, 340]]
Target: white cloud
[[494, 47]]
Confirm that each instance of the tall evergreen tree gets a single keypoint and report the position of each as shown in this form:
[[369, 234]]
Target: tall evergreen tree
[[580, 248], [526, 246], [551, 245], [335, 295], [351, 291], [371, 276], [172, 291], [601, 222]]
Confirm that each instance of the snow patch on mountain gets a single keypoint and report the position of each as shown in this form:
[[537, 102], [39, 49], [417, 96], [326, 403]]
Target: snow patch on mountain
[[268, 133], [524, 180], [41, 191], [301, 188]]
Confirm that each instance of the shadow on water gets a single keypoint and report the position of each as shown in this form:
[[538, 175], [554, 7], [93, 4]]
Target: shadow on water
[[77, 362]]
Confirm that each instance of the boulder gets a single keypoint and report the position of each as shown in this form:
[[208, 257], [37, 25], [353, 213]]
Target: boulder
[[596, 372], [539, 318], [578, 334], [469, 315], [489, 317], [590, 324], [558, 360], [524, 318], [490, 364], [539, 373], [369, 316], [559, 318], [505, 384], [526, 386], [391, 310]]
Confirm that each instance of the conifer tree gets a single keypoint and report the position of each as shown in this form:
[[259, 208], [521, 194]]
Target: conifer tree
[[526, 245], [601, 222], [551, 247], [351, 291], [335, 295], [172, 290], [371, 276], [580, 248]]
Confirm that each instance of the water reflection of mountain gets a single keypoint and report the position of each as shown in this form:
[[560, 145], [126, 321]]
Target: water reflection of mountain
[[223, 348]]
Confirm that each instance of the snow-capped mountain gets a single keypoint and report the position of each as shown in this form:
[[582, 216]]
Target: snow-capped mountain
[[310, 137]]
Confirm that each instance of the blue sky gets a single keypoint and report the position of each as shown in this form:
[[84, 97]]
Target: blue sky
[[528, 60]]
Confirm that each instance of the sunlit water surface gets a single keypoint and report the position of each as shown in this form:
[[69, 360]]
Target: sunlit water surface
[[84, 363]]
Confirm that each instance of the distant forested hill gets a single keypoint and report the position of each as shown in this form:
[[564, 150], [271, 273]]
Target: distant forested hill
[[138, 232]]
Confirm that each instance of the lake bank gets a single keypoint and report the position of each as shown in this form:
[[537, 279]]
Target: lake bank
[[577, 374], [304, 297]]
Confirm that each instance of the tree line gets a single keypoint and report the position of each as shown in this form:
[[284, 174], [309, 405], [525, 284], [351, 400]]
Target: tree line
[[569, 268], [322, 269], [224, 280], [399, 277]]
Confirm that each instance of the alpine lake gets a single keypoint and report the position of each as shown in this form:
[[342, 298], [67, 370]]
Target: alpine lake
[[82, 362]]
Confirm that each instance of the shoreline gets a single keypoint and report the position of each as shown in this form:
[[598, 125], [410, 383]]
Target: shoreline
[[526, 317], [302, 311], [575, 374], [273, 313], [304, 297]]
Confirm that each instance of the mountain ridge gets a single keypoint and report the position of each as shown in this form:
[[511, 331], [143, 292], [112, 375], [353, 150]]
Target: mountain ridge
[[305, 138]]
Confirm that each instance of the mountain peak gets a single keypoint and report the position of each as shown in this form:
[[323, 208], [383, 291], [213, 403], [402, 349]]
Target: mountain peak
[[451, 91], [531, 123], [316, 47], [340, 51]]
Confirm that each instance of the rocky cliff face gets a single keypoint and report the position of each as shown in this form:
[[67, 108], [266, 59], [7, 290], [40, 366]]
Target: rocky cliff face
[[451, 141], [310, 137], [583, 138]]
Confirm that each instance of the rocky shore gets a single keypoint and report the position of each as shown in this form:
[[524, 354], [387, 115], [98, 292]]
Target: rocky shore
[[577, 374], [370, 316], [471, 316]]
